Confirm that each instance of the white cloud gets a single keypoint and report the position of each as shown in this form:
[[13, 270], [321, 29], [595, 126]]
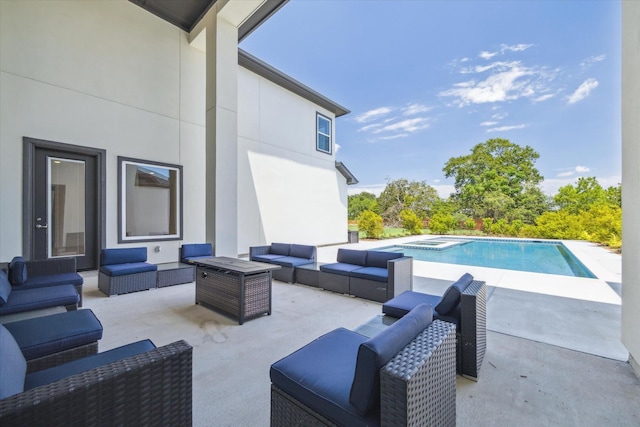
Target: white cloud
[[592, 60], [572, 171], [506, 128], [543, 97], [369, 127], [375, 189], [409, 125], [550, 186], [488, 123], [413, 109], [583, 90], [487, 55], [505, 48], [500, 116], [372, 114], [337, 147], [399, 135], [582, 169]]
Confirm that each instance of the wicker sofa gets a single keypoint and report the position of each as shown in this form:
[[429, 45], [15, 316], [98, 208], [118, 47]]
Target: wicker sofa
[[463, 303], [124, 270], [39, 274], [404, 375], [373, 275], [134, 385], [287, 256]]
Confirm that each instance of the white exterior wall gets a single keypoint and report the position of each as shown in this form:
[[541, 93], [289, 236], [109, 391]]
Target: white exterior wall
[[631, 180], [107, 75], [287, 190]]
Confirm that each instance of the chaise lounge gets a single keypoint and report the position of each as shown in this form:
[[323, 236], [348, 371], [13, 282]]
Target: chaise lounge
[[19, 301]]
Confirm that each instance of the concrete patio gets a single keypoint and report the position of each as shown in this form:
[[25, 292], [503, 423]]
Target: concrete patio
[[553, 358]]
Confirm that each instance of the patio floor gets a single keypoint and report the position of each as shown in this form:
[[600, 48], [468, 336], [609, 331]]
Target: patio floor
[[553, 355]]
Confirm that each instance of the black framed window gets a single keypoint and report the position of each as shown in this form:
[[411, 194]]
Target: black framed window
[[149, 201], [323, 133]]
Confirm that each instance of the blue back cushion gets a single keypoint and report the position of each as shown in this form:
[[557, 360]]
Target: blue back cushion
[[280, 249], [301, 251], [376, 352], [197, 249], [352, 256], [451, 297], [17, 271], [379, 258], [123, 256], [5, 289], [13, 367]]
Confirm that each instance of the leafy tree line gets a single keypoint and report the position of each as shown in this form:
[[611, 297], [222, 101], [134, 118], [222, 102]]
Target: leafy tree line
[[497, 189]]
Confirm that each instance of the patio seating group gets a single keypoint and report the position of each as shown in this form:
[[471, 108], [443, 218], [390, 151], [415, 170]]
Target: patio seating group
[[287, 256]]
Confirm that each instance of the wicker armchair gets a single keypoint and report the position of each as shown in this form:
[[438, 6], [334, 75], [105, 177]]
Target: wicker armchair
[[149, 389]]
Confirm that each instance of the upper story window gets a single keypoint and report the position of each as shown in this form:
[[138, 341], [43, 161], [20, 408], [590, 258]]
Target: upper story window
[[323, 130]]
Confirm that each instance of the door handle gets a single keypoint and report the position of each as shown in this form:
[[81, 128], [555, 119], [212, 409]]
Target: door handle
[[41, 226]]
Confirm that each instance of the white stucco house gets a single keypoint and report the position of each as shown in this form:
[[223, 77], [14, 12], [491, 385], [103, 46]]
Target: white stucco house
[[241, 153]]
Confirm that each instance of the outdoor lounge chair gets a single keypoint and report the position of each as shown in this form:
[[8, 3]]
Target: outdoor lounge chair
[[133, 385]]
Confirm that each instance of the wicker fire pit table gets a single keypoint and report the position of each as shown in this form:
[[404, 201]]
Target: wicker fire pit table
[[236, 287]]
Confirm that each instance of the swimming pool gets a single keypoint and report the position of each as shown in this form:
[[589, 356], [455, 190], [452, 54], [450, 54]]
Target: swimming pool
[[548, 257]]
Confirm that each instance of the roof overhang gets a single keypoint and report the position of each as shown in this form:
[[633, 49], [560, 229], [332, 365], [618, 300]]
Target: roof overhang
[[351, 179]]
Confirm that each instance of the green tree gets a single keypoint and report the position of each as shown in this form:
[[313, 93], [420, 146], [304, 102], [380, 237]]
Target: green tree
[[496, 178], [358, 203], [579, 198], [441, 223], [371, 224], [403, 194], [410, 221]]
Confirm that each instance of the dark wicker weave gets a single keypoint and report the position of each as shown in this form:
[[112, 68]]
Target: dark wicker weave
[[417, 387], [175, 274], [55, 359], [54, 266], [472, 340], [115, 285], [242, 297], [151, 389]]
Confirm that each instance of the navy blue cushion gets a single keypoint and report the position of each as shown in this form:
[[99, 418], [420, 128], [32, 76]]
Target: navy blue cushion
[[301, 251], [84, 364], [37, 298], [320, 375], [41, 336], [17, 271], [378, 350], [123, 255], [280, 249], [266, 257], [339, 268], [53, 280], [371, 273], [407, 301], [351, 256], [451, 297], [5, 288], [289, 261], [379, 258], [196, 250], [13, 366], [130, 268]]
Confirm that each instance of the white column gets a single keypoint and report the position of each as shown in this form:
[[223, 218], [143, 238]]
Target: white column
[[631, 181], [222, 135]]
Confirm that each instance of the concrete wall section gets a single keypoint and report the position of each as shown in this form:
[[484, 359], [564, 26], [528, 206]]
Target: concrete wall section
[[631, 180], [99, 74], [287, 190]]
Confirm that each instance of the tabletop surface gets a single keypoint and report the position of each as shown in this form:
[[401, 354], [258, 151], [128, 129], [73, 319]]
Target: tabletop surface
[[236, 265]]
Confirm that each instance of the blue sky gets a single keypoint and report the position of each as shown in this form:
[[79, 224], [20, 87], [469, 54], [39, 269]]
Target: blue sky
[[427, 80]]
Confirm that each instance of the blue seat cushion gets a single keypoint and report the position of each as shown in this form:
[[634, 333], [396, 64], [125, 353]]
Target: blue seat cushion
[[48, 376], [41, 336], [17, 271], [52, 280], [123, 256], [5, 288], [280, 249], [371, 273], [352, 256], [289, 261], [378, 350], [130, 268], [37, 298], [320, 376], [339, 268], [301, 251], [451, 297], [13, 366], [192, 250], [405, 302], [266, 257], [380, 258]]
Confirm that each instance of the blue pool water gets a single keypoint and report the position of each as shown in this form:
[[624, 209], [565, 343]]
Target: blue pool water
[[532, 256]]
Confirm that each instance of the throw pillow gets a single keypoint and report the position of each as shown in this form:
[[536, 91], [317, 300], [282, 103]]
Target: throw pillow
[[17, 271], [5, 288]]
